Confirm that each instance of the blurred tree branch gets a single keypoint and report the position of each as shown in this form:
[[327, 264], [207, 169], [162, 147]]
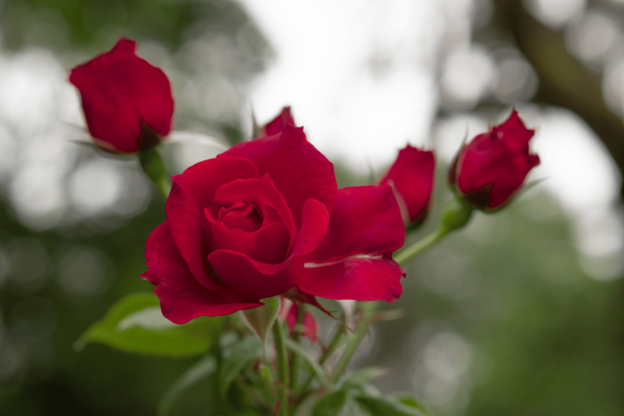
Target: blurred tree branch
[[564, 81]]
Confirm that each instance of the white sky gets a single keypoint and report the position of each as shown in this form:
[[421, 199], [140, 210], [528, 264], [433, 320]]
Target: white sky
[[356, 73]]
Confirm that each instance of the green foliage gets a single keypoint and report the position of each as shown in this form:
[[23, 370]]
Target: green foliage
[[135, 324], [388, 407], [240, 355], [311, 361], [361, 377], [409, 400], [81, 23], [261, 319], [332, 405], [200, 370], [342, 403]]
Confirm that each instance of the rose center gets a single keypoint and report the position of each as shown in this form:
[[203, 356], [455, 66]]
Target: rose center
[[241, 215]]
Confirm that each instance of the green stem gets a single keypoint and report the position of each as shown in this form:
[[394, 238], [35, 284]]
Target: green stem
[[154, 169], [456, 214], [282, 367], [334, 343], [294, 363], [417, 248], [353, 342]]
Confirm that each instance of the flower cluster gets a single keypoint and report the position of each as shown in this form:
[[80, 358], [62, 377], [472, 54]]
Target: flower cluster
[[265, 218], [264, 229]]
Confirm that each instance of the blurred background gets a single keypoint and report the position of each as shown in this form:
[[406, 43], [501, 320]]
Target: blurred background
[[520, 314]]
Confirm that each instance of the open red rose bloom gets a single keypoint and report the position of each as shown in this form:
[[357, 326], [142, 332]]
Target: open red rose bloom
[[265, 218]]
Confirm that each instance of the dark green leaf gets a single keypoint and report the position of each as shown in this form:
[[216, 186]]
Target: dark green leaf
[[387, 406], [136, 324], [240, 355], [200, 370]]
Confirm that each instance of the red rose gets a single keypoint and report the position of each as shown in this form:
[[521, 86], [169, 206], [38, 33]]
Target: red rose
[[278, 124], [412, 176], [289, 312], [121, 93], [264, 218], [490, 169], [310, 326]]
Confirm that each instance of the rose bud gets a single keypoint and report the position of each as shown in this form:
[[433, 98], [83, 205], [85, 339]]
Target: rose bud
[[310, 326], [265, 218], [124, 98], [412, 177], [289, 312], [276, 125], [490, 169]]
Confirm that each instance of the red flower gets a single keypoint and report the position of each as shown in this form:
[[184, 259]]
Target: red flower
[[266, 217], [121, 93], [412, 176], [278, 124], [490, 169]]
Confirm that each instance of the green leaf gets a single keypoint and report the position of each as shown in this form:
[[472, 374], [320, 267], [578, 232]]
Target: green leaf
[[339, 403], [240, 355], [136, 324], [409, 400], [361, 377], [200, 370], [320, 374], [387, 406], [261, 319], [331, 404]]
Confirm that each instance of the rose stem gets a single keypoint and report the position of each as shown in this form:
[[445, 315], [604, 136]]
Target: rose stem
[[294, 364], [417, 248], [282, 366], [154, 168], [456, 214], [334, 343], [353, 342]]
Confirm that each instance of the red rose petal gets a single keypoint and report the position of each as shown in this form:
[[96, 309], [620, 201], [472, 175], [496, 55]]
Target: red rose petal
[[192, 192], [357, 278], [266, 245], [276, 125], [251, 278], [353, 261], [182, 298], [412, 175], [264, 192], [313, 228], [299, 171], [365, 220]]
